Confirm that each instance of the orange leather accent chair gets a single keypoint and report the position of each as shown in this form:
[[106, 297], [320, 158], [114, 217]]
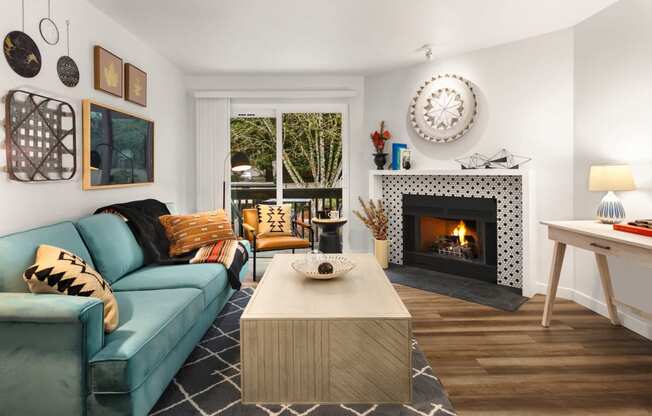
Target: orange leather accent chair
[[273, 243]]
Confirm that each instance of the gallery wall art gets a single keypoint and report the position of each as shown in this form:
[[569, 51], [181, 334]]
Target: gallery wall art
[[107, 71], [21, 52], [135, 85], [444, 108], [48, 28], [41, 138], [118, 147], [67, 69]]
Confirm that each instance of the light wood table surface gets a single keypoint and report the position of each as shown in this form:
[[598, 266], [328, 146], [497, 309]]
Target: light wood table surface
[[345, 340], [602, 240]]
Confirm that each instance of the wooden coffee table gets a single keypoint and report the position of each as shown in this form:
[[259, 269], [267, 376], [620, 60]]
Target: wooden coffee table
[[346, 340]]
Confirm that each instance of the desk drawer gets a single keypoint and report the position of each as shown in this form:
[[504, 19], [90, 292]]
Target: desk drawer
[[601, 245]]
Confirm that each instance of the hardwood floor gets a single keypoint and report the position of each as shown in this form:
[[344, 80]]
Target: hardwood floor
[[503, 363]]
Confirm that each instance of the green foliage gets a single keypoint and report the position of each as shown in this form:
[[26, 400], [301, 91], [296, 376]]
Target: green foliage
[[256, 137], [312, 146]]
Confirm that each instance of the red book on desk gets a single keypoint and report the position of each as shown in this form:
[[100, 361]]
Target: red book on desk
[[633, 229]]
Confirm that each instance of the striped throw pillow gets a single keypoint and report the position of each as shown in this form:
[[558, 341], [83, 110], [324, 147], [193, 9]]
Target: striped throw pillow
[[189, 232]]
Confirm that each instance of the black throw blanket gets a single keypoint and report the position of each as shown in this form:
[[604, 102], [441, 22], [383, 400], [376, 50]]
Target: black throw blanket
[[143, 220]]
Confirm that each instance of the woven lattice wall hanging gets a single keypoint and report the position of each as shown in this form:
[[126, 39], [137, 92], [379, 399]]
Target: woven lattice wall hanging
[[444, 109], [40, 137]]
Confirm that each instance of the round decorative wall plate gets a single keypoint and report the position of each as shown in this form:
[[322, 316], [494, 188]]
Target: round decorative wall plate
[[444, 109], [68, 71], [22, 54]]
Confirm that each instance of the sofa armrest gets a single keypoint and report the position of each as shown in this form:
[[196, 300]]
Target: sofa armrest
[[45, 343]]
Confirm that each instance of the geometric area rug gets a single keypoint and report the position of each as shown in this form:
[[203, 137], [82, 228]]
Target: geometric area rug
[[208, 384]]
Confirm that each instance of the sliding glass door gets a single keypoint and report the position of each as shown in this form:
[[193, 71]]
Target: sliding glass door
[[296, 153], [254, 134]]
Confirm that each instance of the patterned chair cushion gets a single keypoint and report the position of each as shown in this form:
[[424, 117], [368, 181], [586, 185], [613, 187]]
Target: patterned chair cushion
[[274, 220], [189, 232], [58, 271]]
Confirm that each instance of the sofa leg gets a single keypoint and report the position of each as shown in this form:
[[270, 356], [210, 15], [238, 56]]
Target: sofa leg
[[292, 251]]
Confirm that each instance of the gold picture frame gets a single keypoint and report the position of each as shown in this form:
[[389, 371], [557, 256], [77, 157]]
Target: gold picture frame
[[91, 152]]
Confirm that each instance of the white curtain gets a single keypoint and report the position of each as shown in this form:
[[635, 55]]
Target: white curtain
[[212, 147]]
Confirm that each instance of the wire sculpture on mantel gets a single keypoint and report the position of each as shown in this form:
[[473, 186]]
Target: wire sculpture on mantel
[[503, 159]]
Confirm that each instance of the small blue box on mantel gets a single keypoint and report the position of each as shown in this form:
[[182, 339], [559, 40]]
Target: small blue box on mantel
[[396, 155]]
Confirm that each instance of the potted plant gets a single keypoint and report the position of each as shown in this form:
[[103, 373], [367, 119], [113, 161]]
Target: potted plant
[[378, 138], [376, 220]]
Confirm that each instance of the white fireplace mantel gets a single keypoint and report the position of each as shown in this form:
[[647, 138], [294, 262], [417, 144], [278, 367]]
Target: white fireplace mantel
[[529, 215]]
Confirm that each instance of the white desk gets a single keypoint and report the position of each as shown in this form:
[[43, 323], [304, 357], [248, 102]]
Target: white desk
[[604, 241]]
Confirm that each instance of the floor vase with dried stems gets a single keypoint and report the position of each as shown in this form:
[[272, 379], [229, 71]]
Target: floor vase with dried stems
[[381, 251]]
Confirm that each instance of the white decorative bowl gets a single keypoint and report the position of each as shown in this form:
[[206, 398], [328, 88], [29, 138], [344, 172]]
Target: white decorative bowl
[[341, 266]]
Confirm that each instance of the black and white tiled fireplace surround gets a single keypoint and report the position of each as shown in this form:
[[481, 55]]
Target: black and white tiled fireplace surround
[[506, 189]]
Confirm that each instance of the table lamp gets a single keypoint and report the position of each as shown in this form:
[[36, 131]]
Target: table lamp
[[609, 179]]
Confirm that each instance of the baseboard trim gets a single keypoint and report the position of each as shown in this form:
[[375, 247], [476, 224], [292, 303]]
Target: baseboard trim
[[630, 321]]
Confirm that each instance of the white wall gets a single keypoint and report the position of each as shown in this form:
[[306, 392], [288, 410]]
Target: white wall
[[525, 101], [613, 124], [359, 153], [24, 206]]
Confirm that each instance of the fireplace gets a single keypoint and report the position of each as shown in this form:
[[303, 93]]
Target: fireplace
[[455, 235]]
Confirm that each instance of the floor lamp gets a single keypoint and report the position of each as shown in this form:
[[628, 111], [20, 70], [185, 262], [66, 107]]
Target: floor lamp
[[239, 163]]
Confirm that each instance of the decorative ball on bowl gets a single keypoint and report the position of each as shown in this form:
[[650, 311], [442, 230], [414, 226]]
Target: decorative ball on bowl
[[325, 268]]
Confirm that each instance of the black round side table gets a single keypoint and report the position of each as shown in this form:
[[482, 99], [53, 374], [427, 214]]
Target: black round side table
[[329, 234]]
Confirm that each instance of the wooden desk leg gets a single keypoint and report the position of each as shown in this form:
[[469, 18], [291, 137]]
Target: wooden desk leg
[[553, 282], [605, 277]]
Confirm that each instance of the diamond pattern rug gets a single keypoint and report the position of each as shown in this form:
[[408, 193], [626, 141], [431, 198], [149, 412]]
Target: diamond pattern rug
[[208, 384]]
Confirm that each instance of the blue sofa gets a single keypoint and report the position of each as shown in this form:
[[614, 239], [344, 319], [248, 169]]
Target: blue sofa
[[55, 358]]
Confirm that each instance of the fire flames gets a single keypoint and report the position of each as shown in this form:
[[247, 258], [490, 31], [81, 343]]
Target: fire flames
[[460, 232]]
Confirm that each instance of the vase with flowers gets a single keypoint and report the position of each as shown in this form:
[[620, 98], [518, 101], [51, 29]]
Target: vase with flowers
[[375, 218], [378, 138]]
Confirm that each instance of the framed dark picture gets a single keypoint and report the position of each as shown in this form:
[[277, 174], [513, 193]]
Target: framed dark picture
[[107, 71], [118, 147], [135, 85]]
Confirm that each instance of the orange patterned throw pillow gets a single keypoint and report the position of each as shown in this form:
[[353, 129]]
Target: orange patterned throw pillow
[[189, 232]]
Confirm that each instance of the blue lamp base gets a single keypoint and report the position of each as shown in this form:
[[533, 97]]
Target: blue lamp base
[[611, 210]]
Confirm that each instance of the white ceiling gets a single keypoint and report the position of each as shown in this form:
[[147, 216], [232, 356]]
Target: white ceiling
[[333, 36]]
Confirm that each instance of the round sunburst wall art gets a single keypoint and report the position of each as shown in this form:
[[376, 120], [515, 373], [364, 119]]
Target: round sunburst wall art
[[444, 109]]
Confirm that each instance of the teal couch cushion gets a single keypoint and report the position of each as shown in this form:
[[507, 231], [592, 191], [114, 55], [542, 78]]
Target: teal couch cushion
[[141, 400], [17, 251], [113, 246], [209, 278], [45, 342], [152, 322]]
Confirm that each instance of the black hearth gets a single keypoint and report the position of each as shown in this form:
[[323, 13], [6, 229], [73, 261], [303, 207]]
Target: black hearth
[[453, 235]]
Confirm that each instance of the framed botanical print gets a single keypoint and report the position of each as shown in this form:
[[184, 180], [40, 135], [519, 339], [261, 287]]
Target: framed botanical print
[[107, 71], [135, 85]]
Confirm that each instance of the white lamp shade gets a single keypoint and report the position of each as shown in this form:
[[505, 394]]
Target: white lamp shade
[[611, 178]]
